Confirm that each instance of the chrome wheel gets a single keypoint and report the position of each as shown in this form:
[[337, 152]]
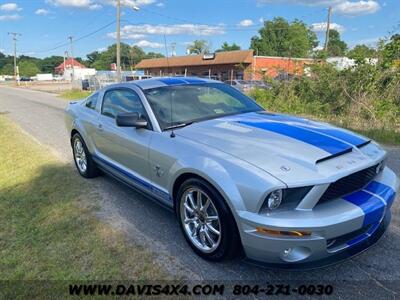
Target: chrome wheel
[[200, 220], [80, 156]]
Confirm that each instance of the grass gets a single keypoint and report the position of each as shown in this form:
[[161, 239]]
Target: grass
[[389, 137], [48, 230], [386, 136], [74, 94], [386, 133]]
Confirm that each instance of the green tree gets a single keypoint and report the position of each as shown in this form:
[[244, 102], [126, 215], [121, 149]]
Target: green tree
[[4, 60], [361, 52], [136, 54], [281, 38], [336, 47], [92, 57], [226, 47], [7, 69], [198, 47], [28, 68], [48, 64], [103, 60], [154, 55], [391, 51]]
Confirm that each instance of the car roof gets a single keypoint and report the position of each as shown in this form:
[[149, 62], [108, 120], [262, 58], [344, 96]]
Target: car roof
[[156, 82]]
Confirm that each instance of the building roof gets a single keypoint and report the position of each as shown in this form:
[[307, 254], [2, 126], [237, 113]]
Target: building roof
[[68, 63], [221, 58]]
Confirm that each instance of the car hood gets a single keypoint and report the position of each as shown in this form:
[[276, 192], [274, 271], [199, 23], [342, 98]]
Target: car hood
[[295, 150]]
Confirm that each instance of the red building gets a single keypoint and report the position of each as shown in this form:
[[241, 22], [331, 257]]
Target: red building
[[241, 64], [68, 64]]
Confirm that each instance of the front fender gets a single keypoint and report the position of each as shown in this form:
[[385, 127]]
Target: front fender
[[242, 185]]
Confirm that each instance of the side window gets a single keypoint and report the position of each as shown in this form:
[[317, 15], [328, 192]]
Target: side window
[[91, 101], [121, 101]]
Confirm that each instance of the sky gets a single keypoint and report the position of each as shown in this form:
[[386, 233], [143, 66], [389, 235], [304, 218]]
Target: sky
[[45, 25]]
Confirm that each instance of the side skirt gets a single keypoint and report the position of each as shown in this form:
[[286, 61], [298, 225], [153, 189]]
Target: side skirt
[[131, 184]]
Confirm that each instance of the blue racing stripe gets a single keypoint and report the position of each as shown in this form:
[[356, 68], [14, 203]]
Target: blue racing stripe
[[363, 236], [339, 134], [193, 80], [321, 141], [372, 206], [321, 128], [171, 81], [357, 239], [137, 180], [382, 190]]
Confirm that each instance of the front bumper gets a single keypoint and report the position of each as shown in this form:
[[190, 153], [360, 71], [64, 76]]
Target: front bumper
[[339, 229]]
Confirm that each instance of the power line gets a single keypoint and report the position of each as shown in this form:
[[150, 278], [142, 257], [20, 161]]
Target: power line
[[215, 24], [76, 40]]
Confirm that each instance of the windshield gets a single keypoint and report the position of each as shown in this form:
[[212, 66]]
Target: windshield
[[191, 103]]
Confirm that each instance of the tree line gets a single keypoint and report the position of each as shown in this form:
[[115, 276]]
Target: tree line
[[100, 60], [277, 37]]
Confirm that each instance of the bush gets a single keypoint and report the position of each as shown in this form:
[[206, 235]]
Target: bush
[[363, 98]]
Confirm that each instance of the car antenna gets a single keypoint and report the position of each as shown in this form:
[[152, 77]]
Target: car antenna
[[170, 94]]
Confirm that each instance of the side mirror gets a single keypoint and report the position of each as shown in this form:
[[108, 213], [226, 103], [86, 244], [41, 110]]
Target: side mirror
[[131, 120]]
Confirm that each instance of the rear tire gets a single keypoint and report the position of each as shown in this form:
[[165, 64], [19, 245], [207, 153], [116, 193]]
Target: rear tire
[[207, 222], [83, 159]]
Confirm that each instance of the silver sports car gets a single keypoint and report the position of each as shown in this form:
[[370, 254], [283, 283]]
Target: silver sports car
[[280, 189]]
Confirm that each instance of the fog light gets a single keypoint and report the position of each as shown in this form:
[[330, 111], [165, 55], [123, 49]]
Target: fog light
[[274, 199], [287, 251]]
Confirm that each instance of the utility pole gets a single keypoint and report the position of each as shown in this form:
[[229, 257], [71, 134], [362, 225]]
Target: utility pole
[[136, 8], [328, 27], [118, 41], [72, 57], [173, 47], [15, 34]]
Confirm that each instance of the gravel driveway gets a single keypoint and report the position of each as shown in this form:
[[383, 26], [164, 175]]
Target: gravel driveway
[[374, 272]]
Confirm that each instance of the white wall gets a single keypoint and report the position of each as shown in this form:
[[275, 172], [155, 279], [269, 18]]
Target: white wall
[[44, 77], [79, 74]]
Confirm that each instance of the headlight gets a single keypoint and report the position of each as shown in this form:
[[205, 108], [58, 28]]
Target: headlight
[[285, 199], [274, 199]]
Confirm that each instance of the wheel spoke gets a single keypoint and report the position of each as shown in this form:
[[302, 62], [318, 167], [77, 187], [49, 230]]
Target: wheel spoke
[[208, 237], [189, 220], [212, 229], [191, 200], [211, 218], [202, 237], [198, 200], [195, 231], [190, 210], [206, 205]]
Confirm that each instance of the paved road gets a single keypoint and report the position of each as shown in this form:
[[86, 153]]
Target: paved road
[[145, 223]]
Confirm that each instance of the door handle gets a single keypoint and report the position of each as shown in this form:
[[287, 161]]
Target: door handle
[[100, 127]]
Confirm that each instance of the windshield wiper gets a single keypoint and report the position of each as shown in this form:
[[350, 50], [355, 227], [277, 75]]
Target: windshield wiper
[[178, 125]]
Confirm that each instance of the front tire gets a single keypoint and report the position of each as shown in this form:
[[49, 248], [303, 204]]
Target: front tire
[[206, 221], [82, 158]]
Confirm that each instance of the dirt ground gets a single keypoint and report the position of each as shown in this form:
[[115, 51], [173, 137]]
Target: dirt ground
[[45, 86]]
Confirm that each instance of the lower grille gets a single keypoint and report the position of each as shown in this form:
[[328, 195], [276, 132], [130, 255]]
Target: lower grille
[[349, 184]]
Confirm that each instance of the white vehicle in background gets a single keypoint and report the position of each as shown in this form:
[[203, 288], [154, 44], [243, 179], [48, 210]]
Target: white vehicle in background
[[247, 85], [44, 77]]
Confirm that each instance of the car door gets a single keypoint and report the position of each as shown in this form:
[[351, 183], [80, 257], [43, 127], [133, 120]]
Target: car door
[[124, 149]]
